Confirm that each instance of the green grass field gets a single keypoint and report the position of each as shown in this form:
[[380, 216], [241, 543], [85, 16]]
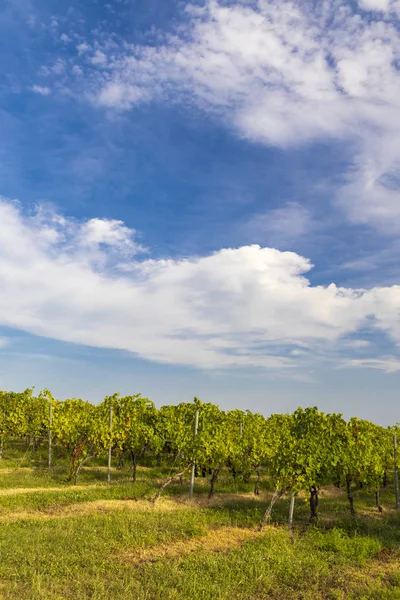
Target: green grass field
[[104, 541]]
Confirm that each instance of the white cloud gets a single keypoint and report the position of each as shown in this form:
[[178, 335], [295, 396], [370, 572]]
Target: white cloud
[[357, 343], [98, 58], [59, 67], [380, 5], [389, 364], [43, 91], [371, 194], [118, 95], [111, 233], [281, 73], [61, 279], [83, 48], [95, 242]]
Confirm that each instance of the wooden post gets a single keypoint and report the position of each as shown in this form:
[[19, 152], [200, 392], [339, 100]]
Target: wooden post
[[396, 470], [291, 510], [110, 447], [50, 432], [196, 426]]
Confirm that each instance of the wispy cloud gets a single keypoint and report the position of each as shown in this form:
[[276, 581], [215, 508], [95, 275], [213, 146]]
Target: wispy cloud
[[283, 74], [3, 342], [357, 344], [282, 226], [389, 364], [42, 90], [83, 282]]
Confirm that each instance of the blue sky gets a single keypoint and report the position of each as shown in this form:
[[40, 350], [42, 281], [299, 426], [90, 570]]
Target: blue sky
[[202, 199]]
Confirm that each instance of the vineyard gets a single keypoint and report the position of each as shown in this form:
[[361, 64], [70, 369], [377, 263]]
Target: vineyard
[[190, 488]]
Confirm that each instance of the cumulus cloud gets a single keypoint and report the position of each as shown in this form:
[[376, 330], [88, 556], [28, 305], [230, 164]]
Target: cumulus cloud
[[247, 306], [280, 73]]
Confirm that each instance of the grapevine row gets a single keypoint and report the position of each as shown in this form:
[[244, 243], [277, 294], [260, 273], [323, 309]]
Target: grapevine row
[[299, 451]]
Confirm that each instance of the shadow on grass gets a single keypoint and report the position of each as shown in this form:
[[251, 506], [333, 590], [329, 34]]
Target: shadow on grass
[[246, 511]]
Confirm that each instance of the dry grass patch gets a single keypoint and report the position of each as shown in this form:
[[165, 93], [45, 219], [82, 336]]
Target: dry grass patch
[[371, 512], [331, 491], [39, 490], [108, 506], [221, 539], [92, 508]]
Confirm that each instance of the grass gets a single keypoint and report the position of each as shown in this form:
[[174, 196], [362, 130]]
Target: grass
[[99, 541]]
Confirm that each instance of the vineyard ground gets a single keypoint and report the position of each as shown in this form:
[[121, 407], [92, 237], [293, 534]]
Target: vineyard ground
[[99, 541]]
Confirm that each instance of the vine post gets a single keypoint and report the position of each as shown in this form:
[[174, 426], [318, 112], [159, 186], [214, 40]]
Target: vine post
[[396, 470], [110, 446], [50, 432], [291, 510], [2, 435], [196, 426]]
